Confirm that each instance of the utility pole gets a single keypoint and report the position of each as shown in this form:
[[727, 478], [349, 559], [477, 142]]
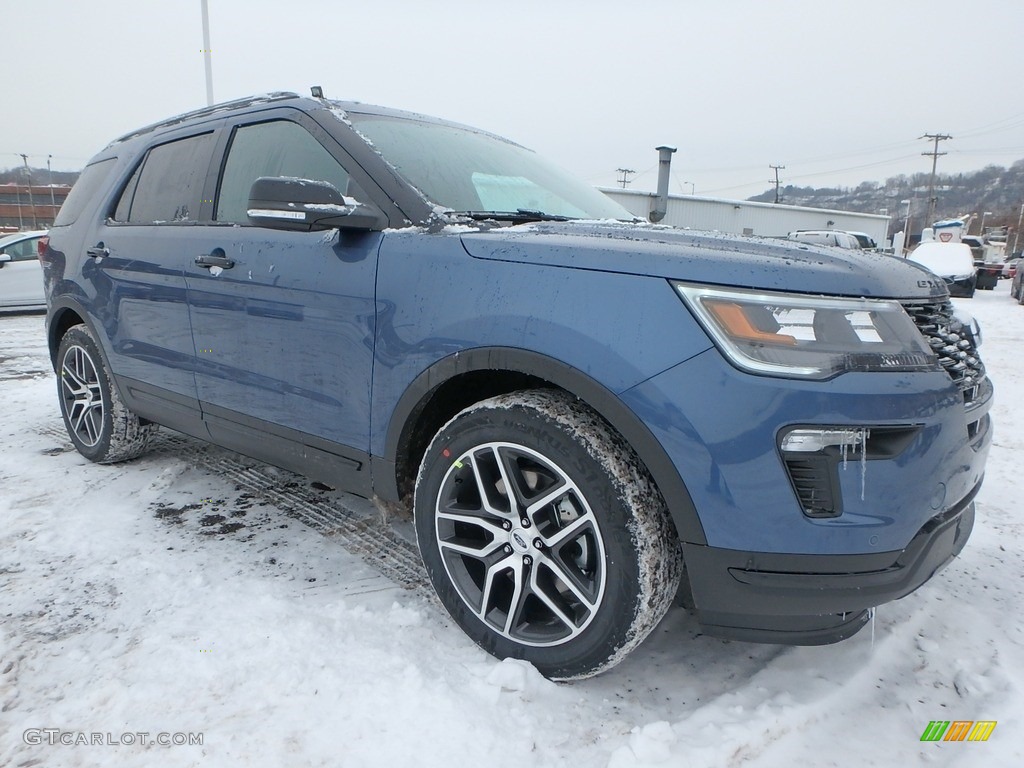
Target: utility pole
[[776, 168], [932, 199], [53, 202], [1016, 236], [21, 221], [626, 173], [208, 61], [31, 200]]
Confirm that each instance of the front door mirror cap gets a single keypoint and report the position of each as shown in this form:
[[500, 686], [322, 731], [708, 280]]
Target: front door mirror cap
[[309, 204]]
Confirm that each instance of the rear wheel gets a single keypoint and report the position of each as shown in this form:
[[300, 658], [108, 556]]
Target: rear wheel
[[97, 421], [543, 534]]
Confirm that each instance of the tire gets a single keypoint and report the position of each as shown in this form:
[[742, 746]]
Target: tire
[[580, 578], [1020, 293], [98, 423]]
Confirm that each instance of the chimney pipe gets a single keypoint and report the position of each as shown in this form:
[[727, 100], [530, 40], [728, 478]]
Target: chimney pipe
[[664, 166]]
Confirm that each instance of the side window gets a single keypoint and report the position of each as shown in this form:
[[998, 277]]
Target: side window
[[23, 251], [124, 205], [278, 148], [168, 185]]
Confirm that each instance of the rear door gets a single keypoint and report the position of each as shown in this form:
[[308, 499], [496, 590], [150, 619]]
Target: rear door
[[283, 320], [138, 261]]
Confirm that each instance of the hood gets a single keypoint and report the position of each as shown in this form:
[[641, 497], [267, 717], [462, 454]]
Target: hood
[[706, 257]]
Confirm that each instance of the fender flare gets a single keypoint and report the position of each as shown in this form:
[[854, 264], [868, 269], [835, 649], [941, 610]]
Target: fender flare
[[56, 311], [564, 376]]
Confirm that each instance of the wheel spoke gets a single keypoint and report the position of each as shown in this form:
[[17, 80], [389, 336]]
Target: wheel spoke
[[92, 429], [552, 605], [570, 581], [72, 375], [510, 477], [519, 595], [559, 490], [464, 549], [484, 491], [570, 531], [492, 573]]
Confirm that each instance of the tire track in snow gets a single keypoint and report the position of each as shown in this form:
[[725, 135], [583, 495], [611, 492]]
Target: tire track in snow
[[330, 513]]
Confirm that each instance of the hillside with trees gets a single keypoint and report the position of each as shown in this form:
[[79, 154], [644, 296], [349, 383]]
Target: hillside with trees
[[993, 188]]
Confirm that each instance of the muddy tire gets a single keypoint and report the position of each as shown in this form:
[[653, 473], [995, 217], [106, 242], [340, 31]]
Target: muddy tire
[[98, 423], [544, 535]]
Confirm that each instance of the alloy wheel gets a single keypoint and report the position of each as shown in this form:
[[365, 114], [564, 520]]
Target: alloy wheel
[[80, 390], [520, 543]]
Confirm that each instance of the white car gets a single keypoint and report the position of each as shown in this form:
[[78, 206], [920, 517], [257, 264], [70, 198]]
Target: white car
[[21, 275], [952, 262]]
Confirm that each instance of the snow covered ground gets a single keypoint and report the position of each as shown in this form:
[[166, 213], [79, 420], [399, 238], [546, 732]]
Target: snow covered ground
[[190, 592]]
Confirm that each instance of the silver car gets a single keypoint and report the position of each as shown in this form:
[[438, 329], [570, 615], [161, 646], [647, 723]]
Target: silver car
[[21, 276]]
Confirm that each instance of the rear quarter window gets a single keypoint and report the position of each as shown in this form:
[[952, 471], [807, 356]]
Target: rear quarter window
[[89, 183]]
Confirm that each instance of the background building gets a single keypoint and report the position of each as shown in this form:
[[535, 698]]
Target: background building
[[743, 217], [20, 210]]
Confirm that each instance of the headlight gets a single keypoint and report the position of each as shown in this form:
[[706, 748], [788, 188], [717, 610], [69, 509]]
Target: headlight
[[785, 334]]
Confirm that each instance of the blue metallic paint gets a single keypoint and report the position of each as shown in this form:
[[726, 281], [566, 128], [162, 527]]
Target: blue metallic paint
[[704, 257], [597, 323], [720, 426], [286, 334]]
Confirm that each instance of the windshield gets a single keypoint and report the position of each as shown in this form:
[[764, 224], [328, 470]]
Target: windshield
[[472, 172]]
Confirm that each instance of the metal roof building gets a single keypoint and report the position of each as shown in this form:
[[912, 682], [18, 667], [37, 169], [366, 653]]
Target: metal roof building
[[742, 217]]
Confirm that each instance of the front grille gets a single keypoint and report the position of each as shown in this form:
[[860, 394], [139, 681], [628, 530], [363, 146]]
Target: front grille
[[952, 342]]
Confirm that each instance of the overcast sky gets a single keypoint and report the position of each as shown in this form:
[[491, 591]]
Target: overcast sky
[[838, 91]]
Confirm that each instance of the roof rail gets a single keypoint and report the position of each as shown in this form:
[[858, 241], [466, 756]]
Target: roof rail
[[206, 111]]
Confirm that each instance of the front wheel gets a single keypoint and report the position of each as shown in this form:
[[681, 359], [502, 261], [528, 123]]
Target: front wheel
[[543, 534], [97, 421]]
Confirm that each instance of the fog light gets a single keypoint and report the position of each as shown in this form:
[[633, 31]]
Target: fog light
[[817, 440]]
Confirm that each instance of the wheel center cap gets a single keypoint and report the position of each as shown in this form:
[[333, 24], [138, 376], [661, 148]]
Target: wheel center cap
[[519, 540]]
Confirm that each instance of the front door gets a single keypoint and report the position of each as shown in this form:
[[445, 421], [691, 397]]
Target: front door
[[283, 321]]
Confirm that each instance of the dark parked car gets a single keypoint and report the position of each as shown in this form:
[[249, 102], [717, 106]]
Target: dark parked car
[[1017, 286], [573, 404]]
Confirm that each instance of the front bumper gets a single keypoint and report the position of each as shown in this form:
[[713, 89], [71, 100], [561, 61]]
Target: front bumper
[[815, 599]]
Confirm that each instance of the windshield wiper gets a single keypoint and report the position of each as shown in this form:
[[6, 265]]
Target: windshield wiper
[[519, 215]]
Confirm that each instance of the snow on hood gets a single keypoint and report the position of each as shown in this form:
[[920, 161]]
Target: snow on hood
[[945, 259], [706, 257]]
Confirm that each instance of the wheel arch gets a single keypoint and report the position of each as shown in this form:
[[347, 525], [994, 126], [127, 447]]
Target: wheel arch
[[466, 377], [63, 315]]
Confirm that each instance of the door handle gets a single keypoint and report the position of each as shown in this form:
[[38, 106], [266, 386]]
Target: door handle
[[98, 251], [215, 258]]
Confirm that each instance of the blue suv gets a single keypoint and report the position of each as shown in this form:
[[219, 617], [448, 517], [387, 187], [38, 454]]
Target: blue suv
[[590, 417]]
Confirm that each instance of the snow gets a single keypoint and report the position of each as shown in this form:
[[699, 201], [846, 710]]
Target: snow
[[158, 596]]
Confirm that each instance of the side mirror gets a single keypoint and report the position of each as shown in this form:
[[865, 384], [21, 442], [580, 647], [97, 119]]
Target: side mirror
[[307, 204], [4, 258]]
